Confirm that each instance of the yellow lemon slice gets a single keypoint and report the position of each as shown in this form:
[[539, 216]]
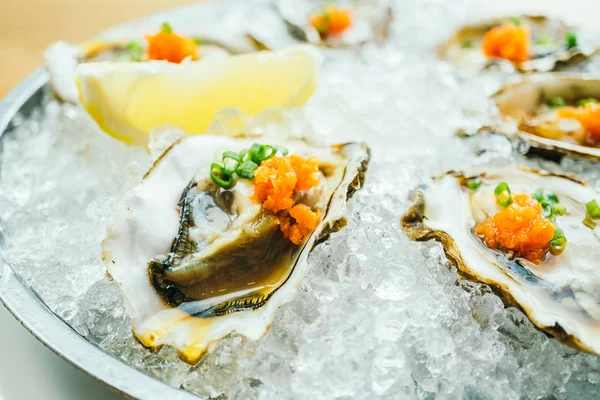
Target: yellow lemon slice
[[128, 100]]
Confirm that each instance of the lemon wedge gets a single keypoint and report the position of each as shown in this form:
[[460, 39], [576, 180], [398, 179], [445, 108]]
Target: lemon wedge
[[128, 99]]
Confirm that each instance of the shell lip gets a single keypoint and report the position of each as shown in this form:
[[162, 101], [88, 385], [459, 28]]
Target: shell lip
[[414, 224], [547, 148]]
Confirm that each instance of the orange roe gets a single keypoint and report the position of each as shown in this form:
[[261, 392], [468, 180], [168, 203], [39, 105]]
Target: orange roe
[[306, 221], [274, 184], [307, 171], [332, 21], [588, 116], [508, 41], [166, 45], [276, 181], [519, 229]]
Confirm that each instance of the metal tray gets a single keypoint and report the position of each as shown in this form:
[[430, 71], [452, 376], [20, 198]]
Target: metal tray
[[23, 303]]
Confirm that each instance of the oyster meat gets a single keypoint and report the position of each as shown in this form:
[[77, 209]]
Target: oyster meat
[[529, 235], [555, 113], [197, 261], [551, 45]]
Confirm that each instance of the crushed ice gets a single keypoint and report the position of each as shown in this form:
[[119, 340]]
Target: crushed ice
[[378, 315]]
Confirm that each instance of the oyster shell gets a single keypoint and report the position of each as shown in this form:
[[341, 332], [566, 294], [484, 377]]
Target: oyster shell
[[521, 106], [197, 262], [371, 21], [561, 296], [549, 51]]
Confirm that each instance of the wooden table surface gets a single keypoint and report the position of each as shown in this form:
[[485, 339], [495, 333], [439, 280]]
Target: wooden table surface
[[27, 27]]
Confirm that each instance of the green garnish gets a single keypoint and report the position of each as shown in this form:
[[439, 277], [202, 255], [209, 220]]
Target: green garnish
[[546, 41], [545, 194], [559, 209], [550, 203], [135, 51], [242, 163], [515, 21], [231, 160], [593, 210], [502, 193], [246, 170], [571, 40], [281, 149], [547, 208], [197, 41], [589, 100], [559, 239], [555, 101], [166, 28], [221, 176], [474, 183], [468, 44], [260, 152]]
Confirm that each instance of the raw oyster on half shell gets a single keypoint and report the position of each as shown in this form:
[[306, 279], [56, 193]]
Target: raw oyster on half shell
[[197, 261], [539, 250]]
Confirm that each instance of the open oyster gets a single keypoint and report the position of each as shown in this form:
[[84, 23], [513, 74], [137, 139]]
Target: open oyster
[[198, 260], [524, 43], [526, 233], [558, 114], [336, 24]]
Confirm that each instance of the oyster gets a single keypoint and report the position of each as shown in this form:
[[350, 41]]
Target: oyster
[[370, 21], [197, 262], [554, 113], [549, 46], [558, 291]]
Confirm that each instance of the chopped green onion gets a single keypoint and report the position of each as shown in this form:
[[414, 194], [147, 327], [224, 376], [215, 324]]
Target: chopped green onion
[[515, 21], [571, 40], [555, 101], [474, 183], [589, 100], [468, 44], [546, 40], [166, 27], [502, 193], [231, 160], [559, 209], [547, 208], [282, 150], [559, 238], [246, 170], [221, 176], [197, 41], [549, 194], [545, 194], [593, 210], [589, 222], [135, 51], [259, 153]]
